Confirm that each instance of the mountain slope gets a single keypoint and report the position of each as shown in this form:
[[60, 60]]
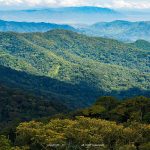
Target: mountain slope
[[31, 27], [145, 45], [103, 65], [71, 95], [121, 30], [18, 105]]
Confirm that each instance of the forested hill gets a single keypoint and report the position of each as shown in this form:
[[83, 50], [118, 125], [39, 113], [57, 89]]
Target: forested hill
[[31, 26], [121, 30], [72, 96], [18, 105], [142, 44], [104, 65]]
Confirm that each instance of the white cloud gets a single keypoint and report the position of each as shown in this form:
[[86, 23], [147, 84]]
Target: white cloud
[[58, 3]]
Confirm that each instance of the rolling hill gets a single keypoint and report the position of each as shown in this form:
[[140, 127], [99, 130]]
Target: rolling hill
[[31, 26], [83, 64], [121, 30]]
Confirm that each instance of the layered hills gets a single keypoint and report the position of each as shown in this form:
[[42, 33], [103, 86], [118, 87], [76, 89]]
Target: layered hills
[[61, 15], [89, 65], [121, 30], [31, 26]]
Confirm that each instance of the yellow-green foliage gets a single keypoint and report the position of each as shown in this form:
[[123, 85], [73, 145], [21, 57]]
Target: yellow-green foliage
[[54, 71], [73, 133]]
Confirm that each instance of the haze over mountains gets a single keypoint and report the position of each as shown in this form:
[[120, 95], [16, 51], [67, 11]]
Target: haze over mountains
[[120, 30], [67, 15], [60, 54], [74, 15], [31, 26], [56, 62], [130, 26]]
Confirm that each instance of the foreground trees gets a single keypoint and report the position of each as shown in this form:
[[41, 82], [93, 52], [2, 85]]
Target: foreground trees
[[109, 124], [82, 133], [133, 109]]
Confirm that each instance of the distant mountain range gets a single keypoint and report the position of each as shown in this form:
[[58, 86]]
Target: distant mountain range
[[31, 26], [121, 30], [65, 15], [74, 15], [73, 66]]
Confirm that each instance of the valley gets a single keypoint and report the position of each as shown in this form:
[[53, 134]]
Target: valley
[[74, 76]]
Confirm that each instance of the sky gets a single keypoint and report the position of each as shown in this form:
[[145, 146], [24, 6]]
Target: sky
[[27, 4]]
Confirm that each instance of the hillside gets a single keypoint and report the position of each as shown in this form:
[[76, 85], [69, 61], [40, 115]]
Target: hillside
[[18, 105], [106, 66], [121, 30], [71, 95], [145, 45], [31, 26]]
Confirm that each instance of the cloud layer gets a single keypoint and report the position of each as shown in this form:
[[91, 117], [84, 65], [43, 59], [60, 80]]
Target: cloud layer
[[58, 3]]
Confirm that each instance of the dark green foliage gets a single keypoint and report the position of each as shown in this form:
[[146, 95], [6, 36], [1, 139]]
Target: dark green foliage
[[49, 88], [134, 109], [72, 95], [142, 44], [106, 66], [17, 106], [80, 132]]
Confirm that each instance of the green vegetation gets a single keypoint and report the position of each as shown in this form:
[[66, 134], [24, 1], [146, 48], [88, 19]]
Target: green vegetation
[[103, 64], [133, 109], [45, 75], [142, 44], [83, 131], [17, 105], [90, 131]]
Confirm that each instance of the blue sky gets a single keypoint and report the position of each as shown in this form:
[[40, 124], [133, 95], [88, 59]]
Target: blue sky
[[22, 4]]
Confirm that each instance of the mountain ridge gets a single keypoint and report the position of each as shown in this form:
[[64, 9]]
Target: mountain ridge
[[31, 26], [120, 30], [105, 65], [60, 15]]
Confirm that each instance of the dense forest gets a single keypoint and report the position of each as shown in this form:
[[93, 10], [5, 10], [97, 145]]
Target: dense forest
[[49, 88], [17, 105], [107, 125], [105, 66]]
